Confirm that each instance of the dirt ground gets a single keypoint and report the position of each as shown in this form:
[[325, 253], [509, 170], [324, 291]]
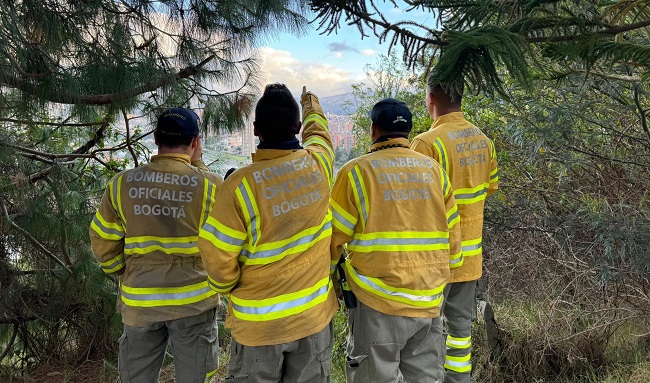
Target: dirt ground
[[89, 372]]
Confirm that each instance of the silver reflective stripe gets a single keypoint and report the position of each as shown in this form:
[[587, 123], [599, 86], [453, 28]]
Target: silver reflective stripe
[[208, 201], [458, 364], [362, 197], [415, 298], [116, 196], [222, 236], [327, 164], [282, 306], [472, 195], [452, 217], [472, 247], [171, 245], [107, 230], [495, 175], [300, 241], [250, 209], [166, 296], [115, 264], [443, 157], [221, 287], [455, 261], [344, 221], [398, 241]]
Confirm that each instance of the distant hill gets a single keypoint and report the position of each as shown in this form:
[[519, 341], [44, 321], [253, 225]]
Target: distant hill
[[335, 104]]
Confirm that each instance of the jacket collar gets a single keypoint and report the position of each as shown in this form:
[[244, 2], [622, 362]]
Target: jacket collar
[[171, 156], [449, 117], [390, 143]]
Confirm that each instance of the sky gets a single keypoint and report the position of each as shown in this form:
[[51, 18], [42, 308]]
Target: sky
[[328, 65]]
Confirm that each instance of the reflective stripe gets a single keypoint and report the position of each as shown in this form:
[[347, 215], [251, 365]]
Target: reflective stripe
[[442, 153], [168, 245], [327, 164], [220, 287], [247, 201], [472, 247], [113, 264], [453, 217], [471, 195], [459, 364], [165, 296], [116, 199], [493, 150], [444, 180], [275, 251], [283, 305], [209, 375], [399, 241], [333, 264], [456, 260], [317, 119], [342, 220], [360, 195], [316, 140], [209, 191], [107, 230], [221, 236], [494, 176], [420, 298], [460, 343]]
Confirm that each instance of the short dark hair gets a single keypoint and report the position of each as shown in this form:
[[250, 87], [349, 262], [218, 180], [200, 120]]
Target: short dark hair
[[445, 95], [277, 114]]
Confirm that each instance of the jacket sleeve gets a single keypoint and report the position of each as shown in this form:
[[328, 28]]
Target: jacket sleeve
[[345, 214], [315, 133], [107, 236], [422, 147], [221, 239], [453, 223], [494, 170]]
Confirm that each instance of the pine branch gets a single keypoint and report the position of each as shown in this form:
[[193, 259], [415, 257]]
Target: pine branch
[[33, 240], [46, 123], [105, 99], [605, 32]]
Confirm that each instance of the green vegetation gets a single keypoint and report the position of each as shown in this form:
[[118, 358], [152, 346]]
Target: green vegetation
[[560, 86]]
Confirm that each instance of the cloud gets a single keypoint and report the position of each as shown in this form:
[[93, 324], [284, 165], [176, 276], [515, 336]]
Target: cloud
[[340, 47], [368, 52], [323, 79]]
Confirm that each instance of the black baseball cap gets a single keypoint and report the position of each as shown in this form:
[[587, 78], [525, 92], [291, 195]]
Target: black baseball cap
[[392, 115], [179, 122]]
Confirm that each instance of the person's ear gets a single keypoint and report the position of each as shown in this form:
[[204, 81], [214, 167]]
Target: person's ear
[[195, 141]]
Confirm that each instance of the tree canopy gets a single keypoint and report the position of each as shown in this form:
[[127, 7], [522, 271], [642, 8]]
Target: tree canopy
[[477, 41]]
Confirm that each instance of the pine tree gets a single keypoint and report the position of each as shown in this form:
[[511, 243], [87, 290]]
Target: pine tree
[[74, 78], [477, 41]]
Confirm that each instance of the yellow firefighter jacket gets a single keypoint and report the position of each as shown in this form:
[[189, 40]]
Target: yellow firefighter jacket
[[146, 229], [470, 160], [396, 211], [267, 242]]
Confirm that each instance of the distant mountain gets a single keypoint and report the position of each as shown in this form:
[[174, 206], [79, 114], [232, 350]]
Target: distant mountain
[[335, 104]]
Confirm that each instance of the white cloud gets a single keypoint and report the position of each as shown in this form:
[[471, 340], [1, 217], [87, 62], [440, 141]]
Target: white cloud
[[322, 79], [368, 52], [338, 55]]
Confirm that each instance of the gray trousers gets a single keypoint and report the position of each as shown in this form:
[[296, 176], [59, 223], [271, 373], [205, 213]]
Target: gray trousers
[[306, 360], [195, 347], [459, 309], [381, 346]]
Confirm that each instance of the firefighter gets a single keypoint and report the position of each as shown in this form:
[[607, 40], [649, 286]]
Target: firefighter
[[395, 210], [469, 158], [146, 231], [266, 244]]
